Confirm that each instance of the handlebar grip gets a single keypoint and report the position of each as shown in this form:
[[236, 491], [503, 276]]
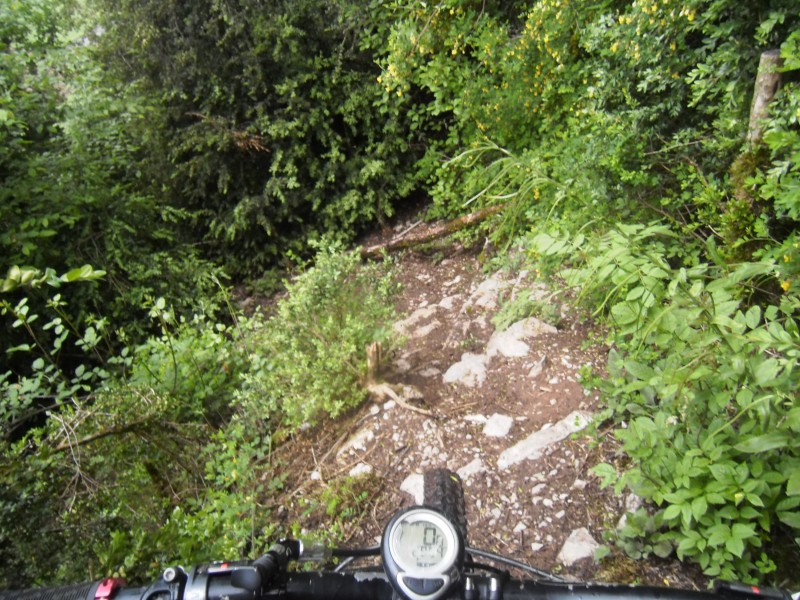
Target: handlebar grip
[[80, 591]]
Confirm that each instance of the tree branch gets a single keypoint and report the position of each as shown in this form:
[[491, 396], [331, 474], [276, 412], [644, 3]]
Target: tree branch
[[437, 231]]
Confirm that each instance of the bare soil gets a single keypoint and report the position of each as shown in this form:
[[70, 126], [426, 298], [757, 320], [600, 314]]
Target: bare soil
[[526, 511]]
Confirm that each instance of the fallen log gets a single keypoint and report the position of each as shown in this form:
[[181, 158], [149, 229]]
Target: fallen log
[[440, 230]]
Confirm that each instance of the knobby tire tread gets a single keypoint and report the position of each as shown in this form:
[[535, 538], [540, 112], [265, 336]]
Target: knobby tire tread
[[444, 492]]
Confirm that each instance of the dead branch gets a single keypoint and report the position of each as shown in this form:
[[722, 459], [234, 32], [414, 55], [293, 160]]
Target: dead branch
[[437, 231], [383, 390], [127, 428]]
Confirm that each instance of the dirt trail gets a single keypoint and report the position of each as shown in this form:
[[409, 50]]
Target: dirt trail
[[498, 408]]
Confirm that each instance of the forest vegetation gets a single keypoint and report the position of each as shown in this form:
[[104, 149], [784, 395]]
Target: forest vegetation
[[154, 153]]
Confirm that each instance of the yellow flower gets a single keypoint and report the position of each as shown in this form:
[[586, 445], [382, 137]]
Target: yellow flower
[[787, 258], [785, 284]]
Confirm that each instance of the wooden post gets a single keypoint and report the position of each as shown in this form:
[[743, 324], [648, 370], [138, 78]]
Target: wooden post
[[767, 82]]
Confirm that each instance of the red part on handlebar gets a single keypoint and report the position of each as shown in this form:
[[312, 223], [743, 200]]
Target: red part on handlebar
[[108, 588]]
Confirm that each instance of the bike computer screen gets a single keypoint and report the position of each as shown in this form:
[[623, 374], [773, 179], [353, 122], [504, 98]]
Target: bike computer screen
[[420, 543], [422, 553]]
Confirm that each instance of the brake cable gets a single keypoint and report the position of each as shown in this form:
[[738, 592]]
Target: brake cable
[[516, 564]]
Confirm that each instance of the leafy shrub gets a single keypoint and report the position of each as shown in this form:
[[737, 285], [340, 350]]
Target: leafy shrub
[[224, 519], [707, 388], [77, 445], [310, 358], [276, 130], [75, 148], [779, 183]]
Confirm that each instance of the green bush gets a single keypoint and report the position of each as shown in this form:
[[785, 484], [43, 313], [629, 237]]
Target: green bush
[[309, 360], [114, 444], [705, 383], [276, 130]]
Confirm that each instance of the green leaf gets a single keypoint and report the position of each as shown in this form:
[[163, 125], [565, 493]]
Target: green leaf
[[639, 370], [793, 484], [753, 317], [607, 474], [766, 371], [673, 511], [791, 519], [699, 507], [718, 534], [662, 549], [763, 443], [624, 314], [601, 552], [735, 546], [742, 531]]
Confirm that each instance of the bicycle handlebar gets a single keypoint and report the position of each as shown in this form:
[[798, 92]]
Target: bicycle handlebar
[[82, 591], [214, 583]]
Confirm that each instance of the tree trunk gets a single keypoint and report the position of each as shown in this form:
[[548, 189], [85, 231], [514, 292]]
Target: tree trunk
[[767, 82]]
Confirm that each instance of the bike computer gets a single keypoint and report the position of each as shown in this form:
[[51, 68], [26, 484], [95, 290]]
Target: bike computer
[[423, 553]]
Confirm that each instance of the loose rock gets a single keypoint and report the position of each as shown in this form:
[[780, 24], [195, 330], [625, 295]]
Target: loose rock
[[535, 444], [414, 485], [579, 545], [498, 425], [469, 371]]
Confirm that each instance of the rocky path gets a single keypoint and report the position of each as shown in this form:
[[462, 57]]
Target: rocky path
[[501, 407], [504, 409]]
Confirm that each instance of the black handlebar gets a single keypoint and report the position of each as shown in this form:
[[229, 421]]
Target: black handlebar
[[215, 583], [82, 591]]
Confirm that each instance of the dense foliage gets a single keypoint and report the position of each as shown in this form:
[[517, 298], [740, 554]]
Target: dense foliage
[[277, 130], [149, 148]]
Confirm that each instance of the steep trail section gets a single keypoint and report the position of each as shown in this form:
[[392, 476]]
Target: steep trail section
[[501, 408], [505, 409]]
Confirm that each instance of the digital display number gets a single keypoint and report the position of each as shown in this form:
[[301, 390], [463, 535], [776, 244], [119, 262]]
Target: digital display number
[[420, 543]]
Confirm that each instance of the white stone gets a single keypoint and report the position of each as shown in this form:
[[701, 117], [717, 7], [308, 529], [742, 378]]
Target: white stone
[[389, 405], [488, 291], [498, 425], [315, 476], [632, 504], [401, 365], [520, 527], [477, 419], [426, 329], [404, 326], [469, 371], [448, 302], [471, 469], [510, 342], [360, 469], [538, 368], [579, 545], [532, 447], [357, 443], [430, 372], [536, 546], [414, 485]]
